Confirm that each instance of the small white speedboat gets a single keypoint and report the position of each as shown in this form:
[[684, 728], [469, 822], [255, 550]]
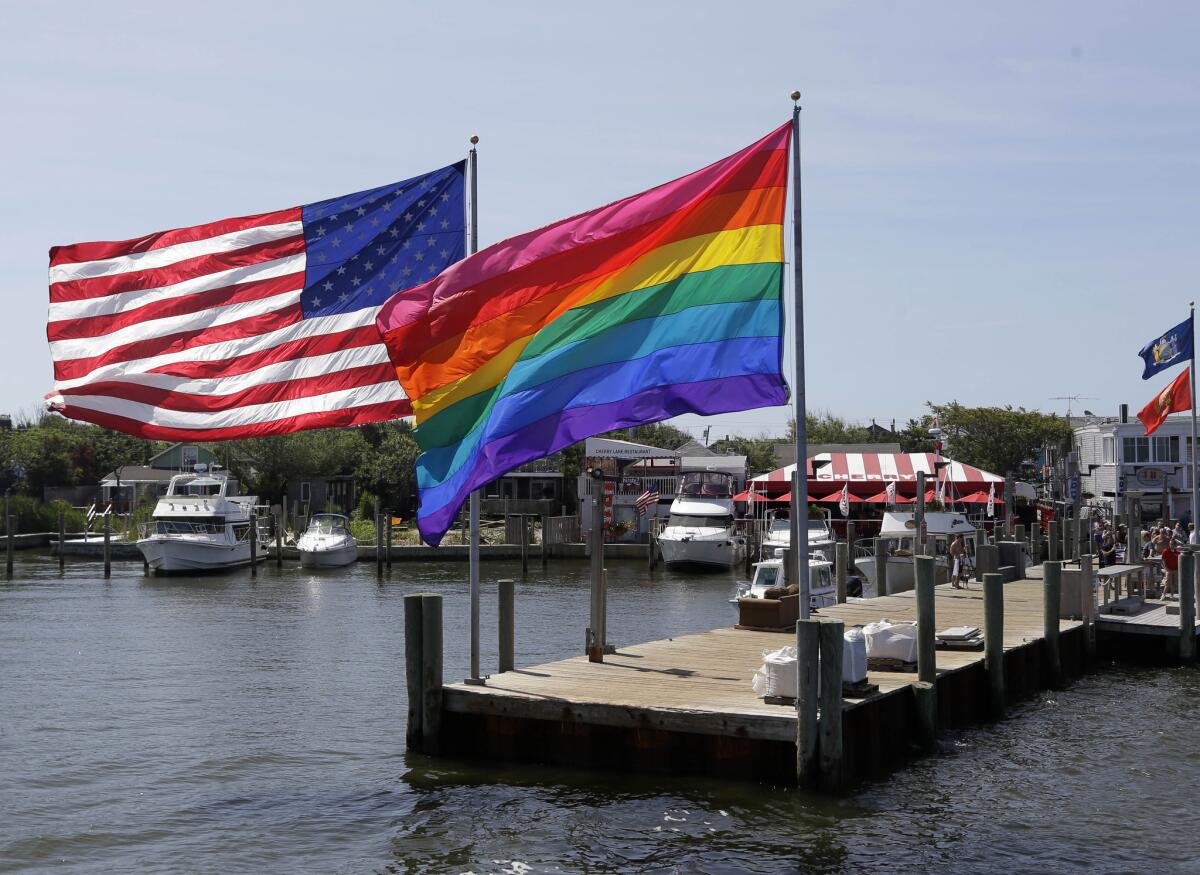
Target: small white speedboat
[[327, 543]]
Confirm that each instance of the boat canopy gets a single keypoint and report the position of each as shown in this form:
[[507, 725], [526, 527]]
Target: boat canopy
[[904, 525]]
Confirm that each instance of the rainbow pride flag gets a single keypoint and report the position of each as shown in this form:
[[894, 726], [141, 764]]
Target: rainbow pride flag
[[663, 303]]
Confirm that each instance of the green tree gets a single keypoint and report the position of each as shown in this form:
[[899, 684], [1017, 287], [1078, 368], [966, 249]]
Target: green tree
[[997, 439], [266, 464], [387, 465], [759, 451]]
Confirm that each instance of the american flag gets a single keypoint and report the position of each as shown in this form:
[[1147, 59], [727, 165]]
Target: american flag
[[250, 326], [645, 500]]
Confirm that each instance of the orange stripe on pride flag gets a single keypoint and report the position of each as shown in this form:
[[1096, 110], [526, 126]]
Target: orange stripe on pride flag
[[1176, 398]]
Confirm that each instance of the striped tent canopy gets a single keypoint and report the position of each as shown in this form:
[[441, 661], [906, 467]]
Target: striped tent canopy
[[875, 468]]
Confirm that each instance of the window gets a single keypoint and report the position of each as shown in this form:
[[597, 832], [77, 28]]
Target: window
[[305, 492], [1108, 450], [1166, 449], [700, 521], [1135, 450]]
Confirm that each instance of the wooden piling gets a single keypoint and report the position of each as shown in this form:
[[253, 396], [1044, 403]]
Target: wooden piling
[[524, 539], [542, 548], [413, 670], [1084, 534], [1187, 607], [1052, 605], [841, 552], [808, 649], [832, 641], [387, 526], [107, 546], [993, 641], [279, 540], [253, 544], [62, 539], [851, 537], [506, 592], [926, 620], [431, 672], [1035, 542], [1088, 610], [8, 539], [881, 557], [1019, 533], [980, 543], [988, 561], [1053, 543], [925, 697], [379, 545]]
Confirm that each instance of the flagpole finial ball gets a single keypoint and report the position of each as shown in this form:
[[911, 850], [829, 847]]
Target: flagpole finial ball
[[474, 139], [795, 95]]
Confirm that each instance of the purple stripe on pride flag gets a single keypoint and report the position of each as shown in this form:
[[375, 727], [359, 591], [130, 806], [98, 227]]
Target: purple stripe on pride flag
[[551, 434]]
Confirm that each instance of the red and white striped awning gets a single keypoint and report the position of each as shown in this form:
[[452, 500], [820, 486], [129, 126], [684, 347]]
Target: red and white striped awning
[[880, 468]]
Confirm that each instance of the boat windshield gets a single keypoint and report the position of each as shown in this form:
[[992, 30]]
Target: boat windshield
[[700, 521], [197, 487], [328, 525], [174, 527], [707, 484], [767, 575]]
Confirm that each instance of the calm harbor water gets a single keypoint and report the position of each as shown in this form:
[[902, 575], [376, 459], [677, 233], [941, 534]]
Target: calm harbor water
[[225, 725]]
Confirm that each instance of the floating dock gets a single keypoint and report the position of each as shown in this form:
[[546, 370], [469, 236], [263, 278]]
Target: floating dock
[[685, 705]]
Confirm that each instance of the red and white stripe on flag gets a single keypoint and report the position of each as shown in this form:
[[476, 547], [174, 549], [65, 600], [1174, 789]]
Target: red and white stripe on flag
[[250, 326]]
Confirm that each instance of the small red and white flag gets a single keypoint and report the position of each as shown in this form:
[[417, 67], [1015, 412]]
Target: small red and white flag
[[891, 492], [991, 508], [646, 500], [844, 501]]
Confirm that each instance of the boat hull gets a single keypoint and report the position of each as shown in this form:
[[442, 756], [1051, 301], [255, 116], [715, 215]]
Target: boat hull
[[900, 572], [725, 552], [174, 556], [336, 557]]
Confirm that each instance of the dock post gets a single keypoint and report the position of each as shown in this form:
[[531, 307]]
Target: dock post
[[993, 640], [542, 546], [988, 560], [253, 533], [881, 587], [925, 695], [431, 672], [413, 670], [107, 545], [506, 591], [1019, 534], [279, 539], [832, 641], [808, 650], [1085, 537], [1088, 609], [926, 620], [840, 552], [387, 525], [62, 539], [595, 649], [1187, 607], [8, 538], [378, 544], [1052, 598], [524, 544], [1053, 543], [1069, 528], [980, 543], [1035, 542]]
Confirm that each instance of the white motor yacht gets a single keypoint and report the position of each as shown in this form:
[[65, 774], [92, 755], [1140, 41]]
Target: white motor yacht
[[327, 543], [899, 530], [200, 526], [700, 530], [778, 534]]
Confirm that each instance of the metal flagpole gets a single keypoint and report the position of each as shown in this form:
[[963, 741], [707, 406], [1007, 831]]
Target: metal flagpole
[[800, 481], [473, 550], [1192, 385]]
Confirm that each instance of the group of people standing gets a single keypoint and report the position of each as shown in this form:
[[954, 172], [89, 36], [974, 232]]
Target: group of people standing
[[1163, 543]]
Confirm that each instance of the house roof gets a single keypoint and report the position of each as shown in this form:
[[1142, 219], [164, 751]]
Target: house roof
[[694, 448], [138, 474]]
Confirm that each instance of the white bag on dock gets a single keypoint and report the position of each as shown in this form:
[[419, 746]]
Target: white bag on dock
[[778, 675], [888, 640], [854, 657]]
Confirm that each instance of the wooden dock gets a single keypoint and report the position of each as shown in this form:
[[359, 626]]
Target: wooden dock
[[685, 705]]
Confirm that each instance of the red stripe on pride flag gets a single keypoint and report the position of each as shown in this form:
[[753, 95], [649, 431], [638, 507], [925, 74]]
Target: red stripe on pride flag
[[78, 252]]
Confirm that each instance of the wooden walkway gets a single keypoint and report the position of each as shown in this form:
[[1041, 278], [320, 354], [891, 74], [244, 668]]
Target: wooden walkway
[[702, 683]]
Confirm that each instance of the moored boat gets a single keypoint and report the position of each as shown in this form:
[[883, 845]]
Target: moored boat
[[327, 543], [700, 529], [200, 525]]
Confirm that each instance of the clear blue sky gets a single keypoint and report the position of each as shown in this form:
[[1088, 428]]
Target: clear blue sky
[[1000, 202]]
